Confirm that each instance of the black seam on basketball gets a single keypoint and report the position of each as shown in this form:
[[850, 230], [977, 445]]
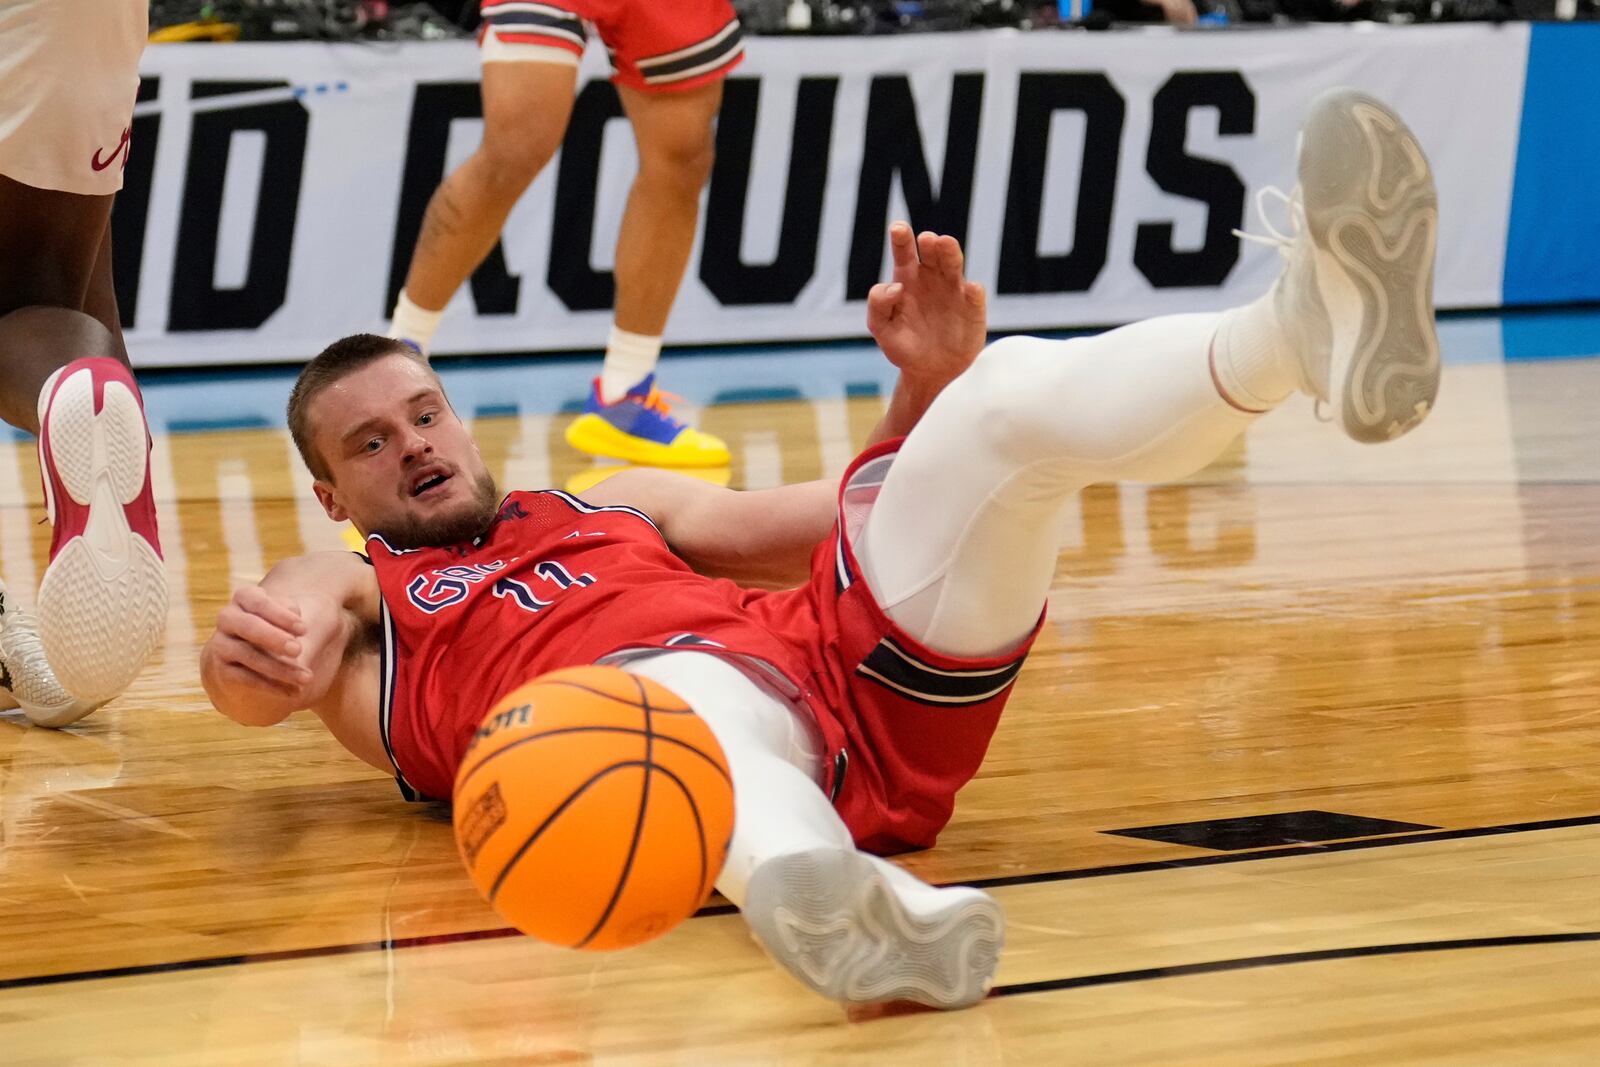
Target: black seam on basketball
[[632, 731], [638, 822], [650, 709], [718, 765], [644, 701], [614, 697], [551, 818], [700, 832]]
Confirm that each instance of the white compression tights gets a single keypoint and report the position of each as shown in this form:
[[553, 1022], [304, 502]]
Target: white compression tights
[[774, 754], [961, 543]]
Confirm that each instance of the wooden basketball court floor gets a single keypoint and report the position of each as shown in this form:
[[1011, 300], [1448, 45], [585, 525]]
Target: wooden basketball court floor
[[1356, 690]]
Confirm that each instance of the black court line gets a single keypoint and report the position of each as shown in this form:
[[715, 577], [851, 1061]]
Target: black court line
[[1042, 877], [1250, 962], [1278, 853]]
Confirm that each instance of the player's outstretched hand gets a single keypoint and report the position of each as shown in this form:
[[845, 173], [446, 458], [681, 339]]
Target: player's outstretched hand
[[929, 319], [257, 644]]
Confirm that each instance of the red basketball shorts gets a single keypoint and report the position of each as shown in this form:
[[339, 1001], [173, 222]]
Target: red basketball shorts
[[653, 46]]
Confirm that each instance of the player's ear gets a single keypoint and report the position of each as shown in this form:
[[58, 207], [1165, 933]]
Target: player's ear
[[329, 501]]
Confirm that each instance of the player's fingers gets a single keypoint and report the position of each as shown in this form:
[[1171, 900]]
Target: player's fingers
[[282, 613], [951, 261], [975, 294], [250, 657], [900, 245], [259, 633], [928, 248], [883, 300]]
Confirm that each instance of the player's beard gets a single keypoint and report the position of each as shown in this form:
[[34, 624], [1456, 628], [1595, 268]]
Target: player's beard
[[472, 518]]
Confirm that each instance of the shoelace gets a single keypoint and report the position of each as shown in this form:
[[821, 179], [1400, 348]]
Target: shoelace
[[1274, 237], [660, 401], [1283, 242]]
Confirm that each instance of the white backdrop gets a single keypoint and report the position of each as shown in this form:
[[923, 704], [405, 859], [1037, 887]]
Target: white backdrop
[[269, 211]]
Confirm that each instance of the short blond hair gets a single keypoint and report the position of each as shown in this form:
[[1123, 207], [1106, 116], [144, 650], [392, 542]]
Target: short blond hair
[[339, 360]]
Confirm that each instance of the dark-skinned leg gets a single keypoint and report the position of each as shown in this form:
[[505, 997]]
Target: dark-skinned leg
[[102, 602]]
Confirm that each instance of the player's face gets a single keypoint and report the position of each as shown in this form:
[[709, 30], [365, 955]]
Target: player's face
[[401, 463]]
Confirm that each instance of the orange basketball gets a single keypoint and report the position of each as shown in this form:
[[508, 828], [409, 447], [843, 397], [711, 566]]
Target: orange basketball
[[593, 809]]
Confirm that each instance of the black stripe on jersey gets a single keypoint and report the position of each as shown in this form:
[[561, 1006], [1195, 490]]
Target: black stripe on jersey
[[585, 508], [841, 561], [895, 669], [692, 641], [386, 671], [387, 547]]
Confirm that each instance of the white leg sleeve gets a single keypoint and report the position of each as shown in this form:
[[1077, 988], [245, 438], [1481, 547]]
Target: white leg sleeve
[[773, 752], [961, 544]]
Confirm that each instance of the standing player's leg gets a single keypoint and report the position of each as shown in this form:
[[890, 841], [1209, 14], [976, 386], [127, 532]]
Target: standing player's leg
[[102, 603], [51, 244], [1350, 321], [670, 62], [64, 139], [527, 100], [674, 134]]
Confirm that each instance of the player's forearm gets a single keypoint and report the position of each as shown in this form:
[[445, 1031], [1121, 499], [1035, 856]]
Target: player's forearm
[[907, 404], [761, 538]]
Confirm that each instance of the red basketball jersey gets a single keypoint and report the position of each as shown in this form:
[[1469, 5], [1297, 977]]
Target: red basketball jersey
[[555, 582]]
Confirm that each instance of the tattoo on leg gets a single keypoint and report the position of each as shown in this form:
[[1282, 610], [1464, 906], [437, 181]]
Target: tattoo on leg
[[443, 217]]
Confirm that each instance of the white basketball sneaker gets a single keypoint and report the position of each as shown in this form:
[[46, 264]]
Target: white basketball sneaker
[[1356, 299], [103, 599], [26, 680], [858, 929]]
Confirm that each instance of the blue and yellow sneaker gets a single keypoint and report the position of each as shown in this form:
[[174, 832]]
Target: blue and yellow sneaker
[[640, 428]]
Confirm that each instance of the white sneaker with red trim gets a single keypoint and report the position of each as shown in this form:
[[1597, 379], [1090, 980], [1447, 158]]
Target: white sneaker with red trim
[[103, 601]]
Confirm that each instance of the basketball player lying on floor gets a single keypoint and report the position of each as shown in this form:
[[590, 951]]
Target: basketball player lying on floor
[[852, 708]]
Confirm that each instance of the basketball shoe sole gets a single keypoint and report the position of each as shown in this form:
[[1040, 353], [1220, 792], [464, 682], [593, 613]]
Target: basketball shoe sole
[[102, 605], [640, 428], [855, 929], [1372, 218], [593, 435]]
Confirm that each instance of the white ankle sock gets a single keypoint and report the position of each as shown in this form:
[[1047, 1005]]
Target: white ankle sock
[[630, 357], [413, 323], [1253, 363]]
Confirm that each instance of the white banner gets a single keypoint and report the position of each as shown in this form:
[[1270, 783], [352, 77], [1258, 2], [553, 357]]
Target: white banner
[[274, 191]]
